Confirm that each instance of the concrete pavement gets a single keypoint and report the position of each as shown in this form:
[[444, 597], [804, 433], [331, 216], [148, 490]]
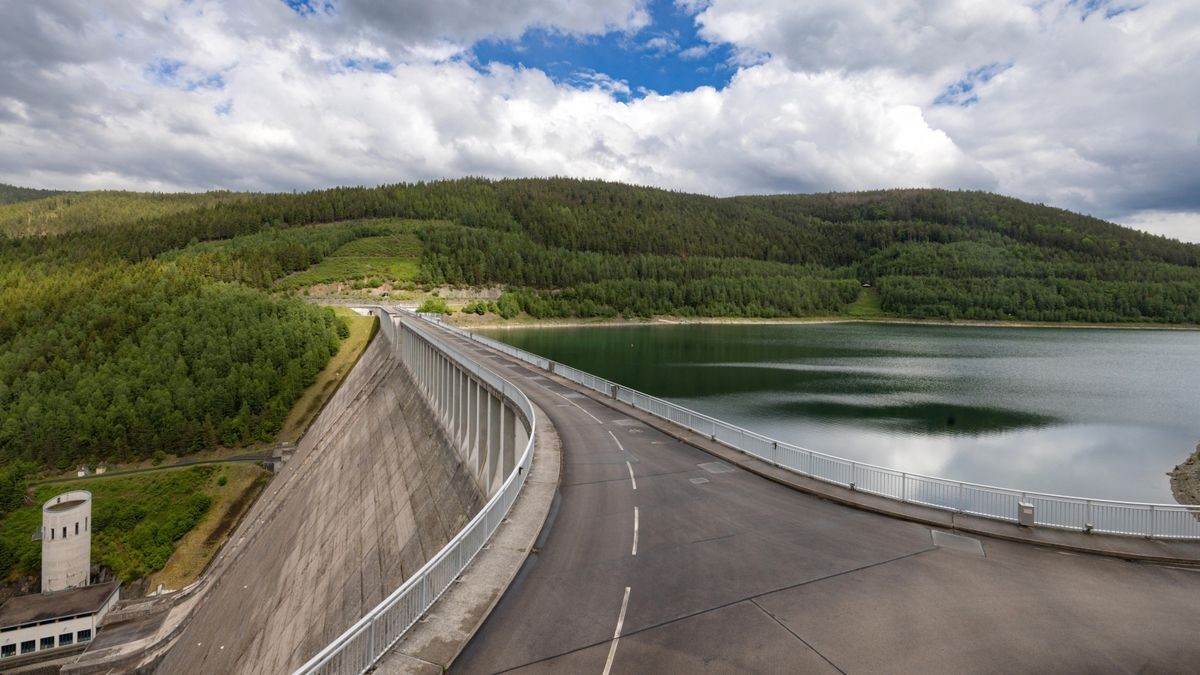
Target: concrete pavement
[[662, 558]]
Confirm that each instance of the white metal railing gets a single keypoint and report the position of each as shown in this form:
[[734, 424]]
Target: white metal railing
[[1157, 521], [361, 645]]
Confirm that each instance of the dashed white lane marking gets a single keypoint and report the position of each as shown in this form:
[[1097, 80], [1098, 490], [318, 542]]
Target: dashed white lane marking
[[631, 478], [635, 529], [612, 651], [598, 421], [616, 440]]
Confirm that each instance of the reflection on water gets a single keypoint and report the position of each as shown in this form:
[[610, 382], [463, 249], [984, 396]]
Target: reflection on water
[[1100, 413], [924, 417]]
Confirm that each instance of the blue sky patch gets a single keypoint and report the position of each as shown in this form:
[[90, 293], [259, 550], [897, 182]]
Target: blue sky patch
[[366, 65], [310, 7], [962, 93], [1108, 7], [664, 57], [176, 74]]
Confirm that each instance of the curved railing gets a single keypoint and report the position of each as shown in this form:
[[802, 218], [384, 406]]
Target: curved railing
[[357, 649], [1158, 521]]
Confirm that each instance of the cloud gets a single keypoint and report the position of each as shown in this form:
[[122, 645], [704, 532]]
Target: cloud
[[660, 45], [1077, 105], [1184, 226], [697, 51], [450, 26]]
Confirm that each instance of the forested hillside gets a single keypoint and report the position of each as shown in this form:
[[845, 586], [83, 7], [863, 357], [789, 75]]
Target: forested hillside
[[11, 194], [131, 323], [50, 213]]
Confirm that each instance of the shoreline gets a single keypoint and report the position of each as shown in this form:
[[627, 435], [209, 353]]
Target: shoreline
[[503, 324], [1185, 479]]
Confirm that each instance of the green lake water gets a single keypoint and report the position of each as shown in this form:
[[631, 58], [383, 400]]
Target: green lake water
[[1085, 412]]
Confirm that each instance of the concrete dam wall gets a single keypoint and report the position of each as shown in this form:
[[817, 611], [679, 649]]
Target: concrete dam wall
[[374, 489]]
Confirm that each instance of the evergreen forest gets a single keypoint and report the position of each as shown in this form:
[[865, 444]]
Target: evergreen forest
[[133, 323]]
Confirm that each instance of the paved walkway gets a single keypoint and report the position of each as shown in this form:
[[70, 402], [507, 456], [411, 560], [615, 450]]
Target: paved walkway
[[664, 558]]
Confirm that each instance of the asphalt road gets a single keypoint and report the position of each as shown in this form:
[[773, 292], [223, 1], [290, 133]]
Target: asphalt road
[[661, 559]]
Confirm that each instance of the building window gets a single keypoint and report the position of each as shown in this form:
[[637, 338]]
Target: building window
[[52, 534], [47, 643], [84, 635], [28, 646], [7, 651], [66, 639], [77, 527], [64, 531]]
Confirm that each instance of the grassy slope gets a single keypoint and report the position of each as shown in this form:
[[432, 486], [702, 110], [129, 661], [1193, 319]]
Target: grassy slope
[[362, 329], [866, 307], [136, 519], [196, 549], [373, 260]]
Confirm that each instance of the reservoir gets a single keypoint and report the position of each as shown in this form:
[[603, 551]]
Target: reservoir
[[1081, 412]]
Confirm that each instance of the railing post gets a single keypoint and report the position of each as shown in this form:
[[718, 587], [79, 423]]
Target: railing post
[[1153, 521], [903, 486], [371, 643]]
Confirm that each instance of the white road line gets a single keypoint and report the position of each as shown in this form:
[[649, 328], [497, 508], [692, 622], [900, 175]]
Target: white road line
[[612, 651], [610, 433], [635, 529], [631, 478], [572, 403]]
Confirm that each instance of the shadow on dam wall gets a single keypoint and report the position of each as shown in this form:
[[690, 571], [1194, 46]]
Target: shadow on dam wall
[[373, 491]]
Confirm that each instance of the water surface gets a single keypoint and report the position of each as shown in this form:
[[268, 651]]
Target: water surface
[[1087, 412]]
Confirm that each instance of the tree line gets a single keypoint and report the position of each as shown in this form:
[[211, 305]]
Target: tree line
[[155, 322], [122, 361]]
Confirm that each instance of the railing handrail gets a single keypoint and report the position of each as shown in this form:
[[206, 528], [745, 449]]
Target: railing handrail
[[606, 387], [506, 388]]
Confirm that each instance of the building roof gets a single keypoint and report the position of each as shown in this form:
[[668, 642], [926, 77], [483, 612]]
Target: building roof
[[24, 609]]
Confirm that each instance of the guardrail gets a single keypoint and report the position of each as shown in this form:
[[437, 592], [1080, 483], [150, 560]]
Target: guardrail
[[361, 645], [1156, 521]]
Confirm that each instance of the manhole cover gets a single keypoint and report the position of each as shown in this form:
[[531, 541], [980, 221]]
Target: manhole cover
[[716, 467], [698, 481]]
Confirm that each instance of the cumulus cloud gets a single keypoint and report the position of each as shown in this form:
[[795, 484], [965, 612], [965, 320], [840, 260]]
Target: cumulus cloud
[[1088, 107]]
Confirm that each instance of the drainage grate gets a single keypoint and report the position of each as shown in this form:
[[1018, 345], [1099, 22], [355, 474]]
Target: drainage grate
[[957, 542], [716, 467]]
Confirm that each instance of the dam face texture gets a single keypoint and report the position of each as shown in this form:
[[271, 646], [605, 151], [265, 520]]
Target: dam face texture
[[374, 490]]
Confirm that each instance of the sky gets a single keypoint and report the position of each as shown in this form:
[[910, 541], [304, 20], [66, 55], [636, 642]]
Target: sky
[[1090, 105]]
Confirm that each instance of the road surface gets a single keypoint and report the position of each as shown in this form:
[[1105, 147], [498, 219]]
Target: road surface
[[659, 558]]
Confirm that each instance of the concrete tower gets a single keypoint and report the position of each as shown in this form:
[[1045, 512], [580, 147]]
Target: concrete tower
[[67, 541]]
